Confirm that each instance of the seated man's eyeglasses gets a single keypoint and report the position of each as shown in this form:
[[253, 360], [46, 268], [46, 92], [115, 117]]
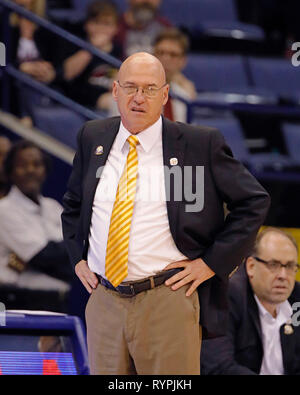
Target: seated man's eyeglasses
[[275, 266], [149, 91], [174, 55]]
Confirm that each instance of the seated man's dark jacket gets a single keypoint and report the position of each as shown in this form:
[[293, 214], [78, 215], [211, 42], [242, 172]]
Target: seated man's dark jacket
[[240, 352], [222, 244]]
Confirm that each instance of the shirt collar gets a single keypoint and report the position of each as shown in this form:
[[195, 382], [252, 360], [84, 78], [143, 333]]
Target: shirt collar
[[147, 138], [22, 200], [283, 309]]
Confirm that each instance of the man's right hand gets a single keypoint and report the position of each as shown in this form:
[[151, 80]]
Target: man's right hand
[[86, 276]]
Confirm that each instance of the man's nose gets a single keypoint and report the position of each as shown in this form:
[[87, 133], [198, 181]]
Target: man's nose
[[139, 96], [282, 273]]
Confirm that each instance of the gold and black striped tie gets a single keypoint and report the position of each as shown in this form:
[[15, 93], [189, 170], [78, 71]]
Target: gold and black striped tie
[[116, 268]]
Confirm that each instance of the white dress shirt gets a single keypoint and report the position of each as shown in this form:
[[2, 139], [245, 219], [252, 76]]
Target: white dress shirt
[[151, 246], [179, 108], [272, 363], [27, 50], [26, 228]]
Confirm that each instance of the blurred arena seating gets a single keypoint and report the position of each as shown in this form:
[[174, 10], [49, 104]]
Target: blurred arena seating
[[59, 122], [212, 18], [291, 132], [223, 73], [256, 162], [278, 76], [209, 17]]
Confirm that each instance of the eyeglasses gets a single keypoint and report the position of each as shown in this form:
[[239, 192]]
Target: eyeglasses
[[148, 91], [275, 266], [174, 55]]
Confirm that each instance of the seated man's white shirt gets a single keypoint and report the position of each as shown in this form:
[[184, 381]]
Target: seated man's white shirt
[[272, 363], [151, 246], [179, 108], [27, 50], [26, 228]]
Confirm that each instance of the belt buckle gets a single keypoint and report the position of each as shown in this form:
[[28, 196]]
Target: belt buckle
[[132, 290], [131, 287]]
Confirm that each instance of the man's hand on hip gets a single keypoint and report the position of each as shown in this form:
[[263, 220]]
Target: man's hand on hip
[[86, 276], [195, 272]]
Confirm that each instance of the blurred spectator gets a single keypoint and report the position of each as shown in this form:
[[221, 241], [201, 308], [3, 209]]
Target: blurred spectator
[[5, 145], [32, 48], [35, 52], [32, 253], [139, 26], [262, 338], [171, 47], [89, 78]]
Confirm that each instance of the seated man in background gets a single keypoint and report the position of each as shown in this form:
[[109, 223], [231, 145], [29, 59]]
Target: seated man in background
[[88, 78], [171, 47], [139, 26], [32, 253], [263, 337], [5, 145]]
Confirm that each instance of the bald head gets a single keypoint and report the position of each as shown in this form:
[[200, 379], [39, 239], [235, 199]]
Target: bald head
[[143, 61], [139, 74]]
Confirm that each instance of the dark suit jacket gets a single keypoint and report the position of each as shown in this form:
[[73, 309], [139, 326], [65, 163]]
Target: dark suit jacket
[[240, 352], [221, 244]]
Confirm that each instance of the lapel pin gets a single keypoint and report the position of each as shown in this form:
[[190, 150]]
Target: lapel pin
[[288, 329], [99, 150], [173, 161]]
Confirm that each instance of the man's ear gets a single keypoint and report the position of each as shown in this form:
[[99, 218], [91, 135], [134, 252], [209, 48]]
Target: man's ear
[[115, 90], [250, 263], [166, 94]]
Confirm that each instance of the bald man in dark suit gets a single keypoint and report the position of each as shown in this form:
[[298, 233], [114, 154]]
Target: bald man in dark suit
[[179, 249]]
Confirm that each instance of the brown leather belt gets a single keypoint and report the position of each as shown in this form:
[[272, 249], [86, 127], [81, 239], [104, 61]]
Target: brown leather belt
[[132, 288]]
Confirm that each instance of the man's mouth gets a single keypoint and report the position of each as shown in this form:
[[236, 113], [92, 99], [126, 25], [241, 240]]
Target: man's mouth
[[136, 109], [280, 287]]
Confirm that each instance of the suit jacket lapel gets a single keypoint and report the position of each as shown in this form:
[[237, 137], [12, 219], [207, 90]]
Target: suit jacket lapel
[[173, 148], [253, 310], [288, 346], [288, 339], [104, 139]]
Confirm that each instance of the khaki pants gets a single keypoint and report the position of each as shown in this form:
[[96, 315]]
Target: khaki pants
[[154, 332]]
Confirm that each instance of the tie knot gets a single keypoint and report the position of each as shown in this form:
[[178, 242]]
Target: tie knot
[[133, 141]]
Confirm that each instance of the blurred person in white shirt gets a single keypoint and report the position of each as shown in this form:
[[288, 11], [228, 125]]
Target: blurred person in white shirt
[[32, 253]]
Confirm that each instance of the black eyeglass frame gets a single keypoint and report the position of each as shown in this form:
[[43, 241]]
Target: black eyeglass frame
[[267, 263]]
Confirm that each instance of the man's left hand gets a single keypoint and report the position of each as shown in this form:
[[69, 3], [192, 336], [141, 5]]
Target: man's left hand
[[195, 272]]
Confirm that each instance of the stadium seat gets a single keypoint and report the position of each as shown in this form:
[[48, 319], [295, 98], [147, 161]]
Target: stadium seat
[[231, 130], [29, 99], [221, 73], [256, 162], [223, 79], [210, 17], [59, 122], [276, 75], [291, 133]]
